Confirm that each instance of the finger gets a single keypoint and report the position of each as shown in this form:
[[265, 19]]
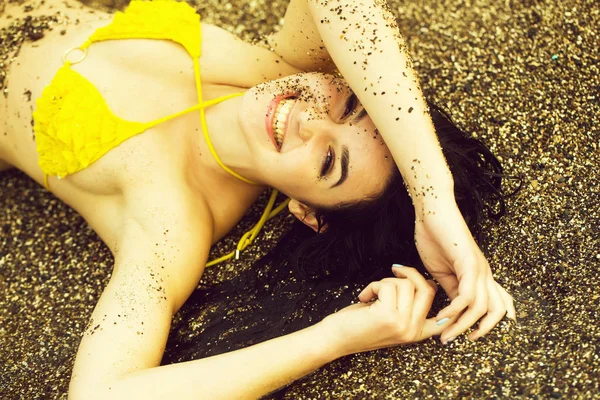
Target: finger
[[370, 292], [487, 323], [411, 274], [415, 277], [405, 292], [430, 328], [496, 311], [466, 296], [423, 301], [511, 312], [425, 293], [386, 294], [474, 312], [450, 285], [367, 293], [500, 304]]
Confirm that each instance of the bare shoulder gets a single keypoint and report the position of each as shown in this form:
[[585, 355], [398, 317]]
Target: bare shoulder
[[224, 56]]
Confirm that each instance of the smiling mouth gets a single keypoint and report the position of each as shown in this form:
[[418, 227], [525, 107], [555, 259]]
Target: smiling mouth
[[280, 118]]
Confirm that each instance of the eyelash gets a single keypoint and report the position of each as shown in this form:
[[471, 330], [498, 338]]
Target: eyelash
[[328, 162], [351, 104]]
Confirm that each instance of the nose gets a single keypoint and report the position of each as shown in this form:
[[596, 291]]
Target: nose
[[311, 122]]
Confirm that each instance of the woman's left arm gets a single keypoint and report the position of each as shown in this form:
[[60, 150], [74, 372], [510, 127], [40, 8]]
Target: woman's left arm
[[363, 40]]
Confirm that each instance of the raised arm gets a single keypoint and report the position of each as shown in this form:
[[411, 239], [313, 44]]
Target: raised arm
[[363, 40]]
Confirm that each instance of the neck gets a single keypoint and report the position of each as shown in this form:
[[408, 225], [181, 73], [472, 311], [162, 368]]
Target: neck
[[227, 139]]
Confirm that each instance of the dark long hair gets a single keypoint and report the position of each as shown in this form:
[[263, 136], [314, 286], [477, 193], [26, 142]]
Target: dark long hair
[[307, 276], [363, 239]]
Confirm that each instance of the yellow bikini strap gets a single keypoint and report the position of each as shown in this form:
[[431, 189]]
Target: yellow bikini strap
[[250, 235], [205, 128], [200, 106], [196, 107]]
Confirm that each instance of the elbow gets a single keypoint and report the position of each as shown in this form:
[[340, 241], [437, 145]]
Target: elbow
[[80, 389]]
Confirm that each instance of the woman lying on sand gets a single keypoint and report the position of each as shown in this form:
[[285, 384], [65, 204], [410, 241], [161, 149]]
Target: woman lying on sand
[[181, 160]]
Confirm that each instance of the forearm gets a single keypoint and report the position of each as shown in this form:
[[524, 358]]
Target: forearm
[[298, 41], [244, 374], [365, 44]]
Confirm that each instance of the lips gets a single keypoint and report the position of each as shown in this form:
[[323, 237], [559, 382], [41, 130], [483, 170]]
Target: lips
[[271, 114]]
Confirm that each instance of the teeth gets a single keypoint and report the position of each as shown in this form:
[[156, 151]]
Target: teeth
[[281, 114]]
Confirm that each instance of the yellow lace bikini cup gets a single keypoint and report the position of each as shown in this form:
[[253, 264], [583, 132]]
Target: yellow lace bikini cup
[[74, 126]]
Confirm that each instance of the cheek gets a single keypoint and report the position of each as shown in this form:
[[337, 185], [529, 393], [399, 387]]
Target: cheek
[[372, 142], [291, 174], [251, 111]]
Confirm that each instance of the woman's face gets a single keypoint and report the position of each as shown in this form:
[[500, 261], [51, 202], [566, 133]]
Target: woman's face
[[310, 138]]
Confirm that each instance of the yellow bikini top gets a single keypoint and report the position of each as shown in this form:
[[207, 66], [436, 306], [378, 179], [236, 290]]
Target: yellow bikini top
[[74, 126]]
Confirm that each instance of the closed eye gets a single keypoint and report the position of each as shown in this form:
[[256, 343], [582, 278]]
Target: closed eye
[[327, 165], [351, 104]]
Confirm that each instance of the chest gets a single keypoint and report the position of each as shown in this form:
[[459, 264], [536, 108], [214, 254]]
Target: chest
[[140, 80]]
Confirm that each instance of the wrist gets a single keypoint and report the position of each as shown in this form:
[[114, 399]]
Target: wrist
[[333, 346], [433, 197]]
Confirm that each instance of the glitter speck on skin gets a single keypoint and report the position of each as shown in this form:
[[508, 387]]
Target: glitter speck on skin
[[522, 76]]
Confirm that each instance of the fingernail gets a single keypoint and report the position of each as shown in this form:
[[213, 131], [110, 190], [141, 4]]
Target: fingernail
[[442, 321], [397, 270], [449, 340]]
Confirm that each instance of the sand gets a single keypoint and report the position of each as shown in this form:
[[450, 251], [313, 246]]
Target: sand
[[521, 75]]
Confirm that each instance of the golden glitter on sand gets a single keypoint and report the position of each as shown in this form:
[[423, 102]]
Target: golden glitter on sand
[[522, 76]]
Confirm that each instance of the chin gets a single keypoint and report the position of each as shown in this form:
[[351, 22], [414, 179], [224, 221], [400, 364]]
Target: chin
[[251, 119], [249, 133]]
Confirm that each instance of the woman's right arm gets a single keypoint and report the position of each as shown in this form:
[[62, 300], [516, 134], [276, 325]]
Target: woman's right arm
[[122, 362], [120, 353], [158, 263]]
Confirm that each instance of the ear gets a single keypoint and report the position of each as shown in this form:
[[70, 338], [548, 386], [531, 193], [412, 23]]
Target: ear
[[305, 214]]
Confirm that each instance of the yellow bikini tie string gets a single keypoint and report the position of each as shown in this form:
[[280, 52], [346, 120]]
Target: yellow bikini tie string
[[269, 212], [250, 235], [205, 128]]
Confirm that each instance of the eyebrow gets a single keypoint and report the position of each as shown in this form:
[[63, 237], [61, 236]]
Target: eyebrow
[[345, 162]]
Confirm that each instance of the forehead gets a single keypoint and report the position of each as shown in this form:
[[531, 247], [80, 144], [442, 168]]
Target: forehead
[[370, 162], [369, 168]]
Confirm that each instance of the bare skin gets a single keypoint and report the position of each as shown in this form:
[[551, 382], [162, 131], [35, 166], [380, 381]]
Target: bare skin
[[91, 199], [162, 237]]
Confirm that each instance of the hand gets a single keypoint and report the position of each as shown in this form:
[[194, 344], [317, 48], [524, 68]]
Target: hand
[[452, 257], [397, 316]]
